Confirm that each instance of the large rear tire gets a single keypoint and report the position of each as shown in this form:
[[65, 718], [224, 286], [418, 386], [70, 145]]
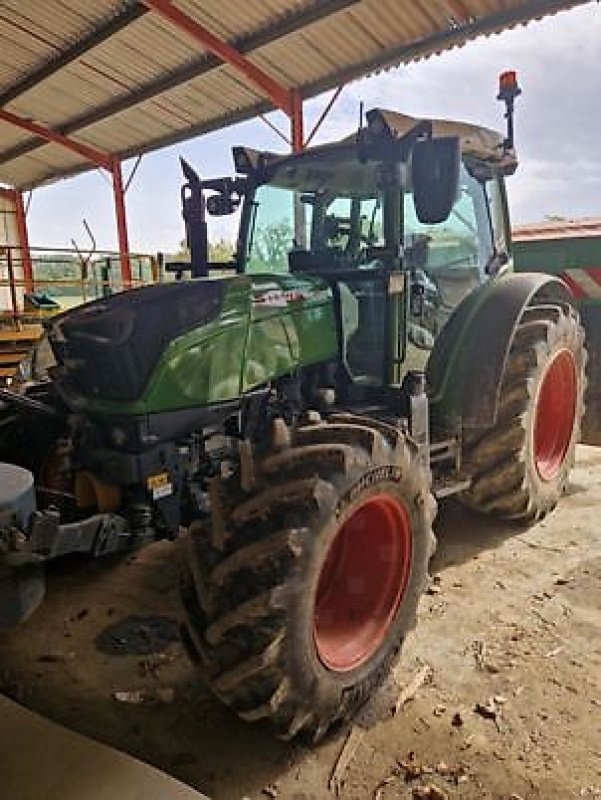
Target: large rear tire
[[300, 591], [520, 466]]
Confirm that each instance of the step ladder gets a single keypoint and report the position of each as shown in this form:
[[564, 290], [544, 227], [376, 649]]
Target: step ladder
[[17, 343]]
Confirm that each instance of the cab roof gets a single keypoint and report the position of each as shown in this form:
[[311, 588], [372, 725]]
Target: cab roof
[[476, 142]]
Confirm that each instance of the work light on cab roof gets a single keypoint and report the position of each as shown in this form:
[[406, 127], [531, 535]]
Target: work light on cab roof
[[508, 91]]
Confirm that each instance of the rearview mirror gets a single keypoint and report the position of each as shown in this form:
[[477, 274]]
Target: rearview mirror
[[435, 175]]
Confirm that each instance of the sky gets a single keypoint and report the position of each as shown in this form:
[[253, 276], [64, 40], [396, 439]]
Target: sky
[[558, 122]]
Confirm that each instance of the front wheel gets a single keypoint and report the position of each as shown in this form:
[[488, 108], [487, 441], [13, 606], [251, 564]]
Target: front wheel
[[521, 465], [300, 592]]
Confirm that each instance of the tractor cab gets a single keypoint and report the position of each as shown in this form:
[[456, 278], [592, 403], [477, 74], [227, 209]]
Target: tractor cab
[[402, 221]]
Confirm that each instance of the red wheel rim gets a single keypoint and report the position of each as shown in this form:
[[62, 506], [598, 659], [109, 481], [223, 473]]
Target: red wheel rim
[[362, 583], [555, 414]]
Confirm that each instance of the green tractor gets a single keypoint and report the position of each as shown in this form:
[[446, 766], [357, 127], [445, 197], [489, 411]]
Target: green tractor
[[368, 353]]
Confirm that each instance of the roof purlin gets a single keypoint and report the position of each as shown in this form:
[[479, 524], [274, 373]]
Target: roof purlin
[[113, 26]]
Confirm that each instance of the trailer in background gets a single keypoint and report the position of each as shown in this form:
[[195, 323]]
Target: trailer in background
[[571, 249]]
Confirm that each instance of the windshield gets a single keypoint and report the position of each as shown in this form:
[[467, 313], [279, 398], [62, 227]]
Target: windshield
[[272, 228], [285, 224], [345, 229]]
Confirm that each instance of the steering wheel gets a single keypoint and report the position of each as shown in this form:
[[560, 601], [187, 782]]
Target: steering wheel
[[335, 226]]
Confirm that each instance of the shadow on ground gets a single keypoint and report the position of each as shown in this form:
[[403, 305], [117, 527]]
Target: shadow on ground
[[463, 534]]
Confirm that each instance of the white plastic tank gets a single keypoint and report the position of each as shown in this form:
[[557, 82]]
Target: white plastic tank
[[17, 495]]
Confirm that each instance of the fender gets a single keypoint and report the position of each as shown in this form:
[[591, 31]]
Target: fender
[[466, 367]]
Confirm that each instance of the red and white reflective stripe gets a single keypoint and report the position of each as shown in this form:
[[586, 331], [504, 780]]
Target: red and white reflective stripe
[[584, 282]]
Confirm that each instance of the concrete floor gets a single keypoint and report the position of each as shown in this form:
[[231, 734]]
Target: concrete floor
[[514, 615]]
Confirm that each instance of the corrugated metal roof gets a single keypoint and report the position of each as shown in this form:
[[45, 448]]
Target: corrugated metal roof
[[147, 84], [582, 228]]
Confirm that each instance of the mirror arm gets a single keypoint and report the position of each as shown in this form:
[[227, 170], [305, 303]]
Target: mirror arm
[[194, 214], [496, 262], [423, 130], [385, 147]]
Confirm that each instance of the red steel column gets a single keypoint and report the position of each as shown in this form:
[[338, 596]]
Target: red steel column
[[296, 122], [119, 195], [23, 235]]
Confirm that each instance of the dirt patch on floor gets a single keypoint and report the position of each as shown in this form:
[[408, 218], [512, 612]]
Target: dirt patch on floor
[[511, 631]]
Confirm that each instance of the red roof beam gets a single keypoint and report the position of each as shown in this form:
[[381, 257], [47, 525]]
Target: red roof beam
[[296, 118], [85, 151], [280, 96]]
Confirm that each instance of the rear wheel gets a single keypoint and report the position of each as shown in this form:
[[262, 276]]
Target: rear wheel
[[300, 592], [520, 466]]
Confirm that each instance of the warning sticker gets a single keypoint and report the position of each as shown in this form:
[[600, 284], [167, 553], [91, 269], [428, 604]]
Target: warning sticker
[[159, 485]]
